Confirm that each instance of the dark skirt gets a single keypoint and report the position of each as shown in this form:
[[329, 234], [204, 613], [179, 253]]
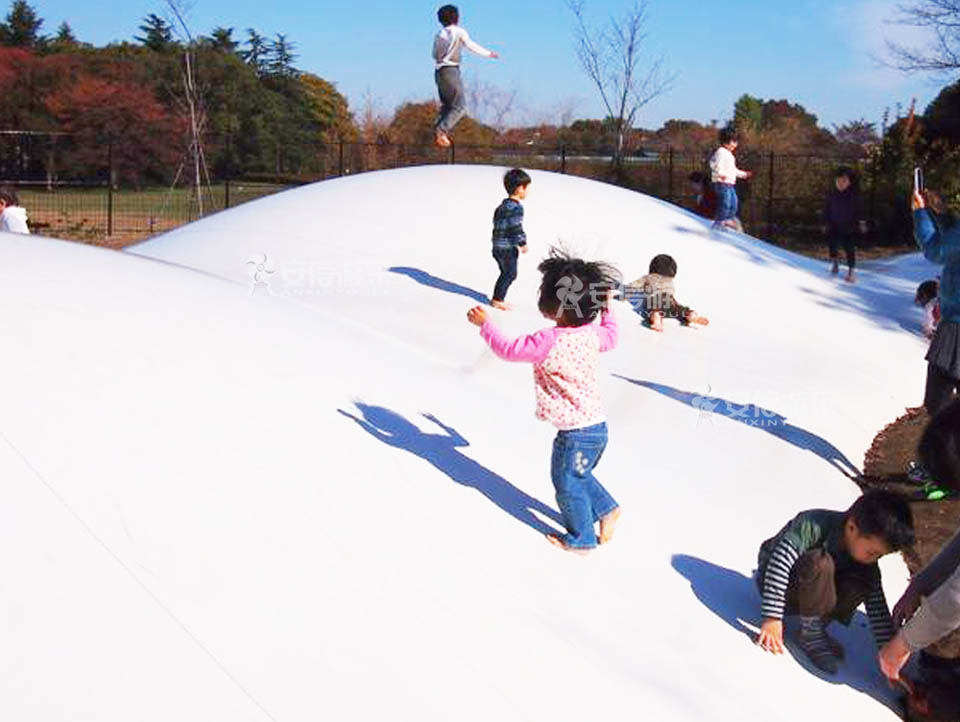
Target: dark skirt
[[944, 352]]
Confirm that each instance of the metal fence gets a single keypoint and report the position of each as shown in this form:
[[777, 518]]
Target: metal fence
[[782, 202]]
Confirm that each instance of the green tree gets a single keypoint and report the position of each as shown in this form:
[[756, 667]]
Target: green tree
[[222, 39], [257, 52], [280, 58], [21, 28], [748, 112], [157, 33]]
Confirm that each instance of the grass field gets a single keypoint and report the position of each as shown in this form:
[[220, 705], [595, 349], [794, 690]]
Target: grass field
[[84, 214]]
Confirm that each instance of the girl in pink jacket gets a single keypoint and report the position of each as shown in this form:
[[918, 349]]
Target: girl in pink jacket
[[573, 293]]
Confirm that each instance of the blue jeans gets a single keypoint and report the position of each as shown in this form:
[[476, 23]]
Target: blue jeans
[[506, 259], [727, 203], [581, 498]]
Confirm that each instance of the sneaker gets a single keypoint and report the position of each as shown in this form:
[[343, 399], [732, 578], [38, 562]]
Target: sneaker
[[918, 474]]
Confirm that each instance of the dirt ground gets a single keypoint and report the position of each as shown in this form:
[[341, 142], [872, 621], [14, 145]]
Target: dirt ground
[[935, 522]]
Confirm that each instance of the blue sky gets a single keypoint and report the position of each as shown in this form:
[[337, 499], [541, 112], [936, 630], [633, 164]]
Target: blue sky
[[819, 53]]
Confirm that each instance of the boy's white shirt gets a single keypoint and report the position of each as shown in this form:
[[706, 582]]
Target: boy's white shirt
[[447, 45], [723, 167], [14, 220]]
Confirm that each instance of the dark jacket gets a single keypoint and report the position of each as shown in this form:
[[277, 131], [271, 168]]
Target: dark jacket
[[843, 210]]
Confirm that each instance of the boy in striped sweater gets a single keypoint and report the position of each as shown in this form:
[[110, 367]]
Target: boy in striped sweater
[[822, 565], [509, 240]]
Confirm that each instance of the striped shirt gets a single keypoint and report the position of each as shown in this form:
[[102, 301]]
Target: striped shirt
[[809, 530], [508, 225]]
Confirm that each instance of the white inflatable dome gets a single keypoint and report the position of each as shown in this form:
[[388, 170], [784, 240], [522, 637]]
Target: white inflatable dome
[[262, 468]]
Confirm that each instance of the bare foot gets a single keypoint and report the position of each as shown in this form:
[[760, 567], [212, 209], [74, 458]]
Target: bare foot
[[441, 139], [698, 320], [851, 278], [502, 305], [656, 321], [607, 524], [558, 542]]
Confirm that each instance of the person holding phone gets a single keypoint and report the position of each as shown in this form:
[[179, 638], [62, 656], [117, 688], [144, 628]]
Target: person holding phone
[[940, 246]]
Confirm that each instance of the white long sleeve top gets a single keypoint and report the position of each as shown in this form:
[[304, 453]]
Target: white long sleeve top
[[14, 220], [447, 45], [723, 167]]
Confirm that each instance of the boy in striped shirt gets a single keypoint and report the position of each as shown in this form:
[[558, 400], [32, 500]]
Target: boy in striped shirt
[[822, 565]]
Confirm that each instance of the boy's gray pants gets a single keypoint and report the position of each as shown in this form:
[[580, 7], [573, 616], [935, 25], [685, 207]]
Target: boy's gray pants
[[453, 105]]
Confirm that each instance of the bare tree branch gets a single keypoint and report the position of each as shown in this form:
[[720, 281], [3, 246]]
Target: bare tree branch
[[613, 60], [942, 19]]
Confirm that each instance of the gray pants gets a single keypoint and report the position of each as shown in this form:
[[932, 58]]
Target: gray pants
[[453, 105]]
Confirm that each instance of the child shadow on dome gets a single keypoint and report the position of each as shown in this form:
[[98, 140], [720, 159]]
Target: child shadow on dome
[[735, 599], [432, 281], [441, 451], [758, 418]]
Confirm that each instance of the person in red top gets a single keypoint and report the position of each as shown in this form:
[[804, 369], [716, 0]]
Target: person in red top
[[705, 197]]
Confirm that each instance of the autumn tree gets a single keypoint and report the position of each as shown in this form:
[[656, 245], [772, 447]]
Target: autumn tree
[[103, 114], [328, 107], [687, 135], [413, 124]]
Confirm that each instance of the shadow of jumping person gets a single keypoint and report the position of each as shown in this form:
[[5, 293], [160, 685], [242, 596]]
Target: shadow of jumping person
[[735, 598], [759, 418], [427, 279], [440, 450]]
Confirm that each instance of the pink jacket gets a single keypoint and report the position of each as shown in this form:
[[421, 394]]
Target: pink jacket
[[564, 367]]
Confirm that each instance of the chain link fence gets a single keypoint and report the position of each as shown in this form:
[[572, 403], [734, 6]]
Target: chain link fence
[[107, 201]]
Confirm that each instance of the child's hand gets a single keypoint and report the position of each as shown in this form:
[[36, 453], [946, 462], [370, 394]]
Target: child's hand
[[771, 636], [477, 316], [524, 249], [893, 656], [918, 201]]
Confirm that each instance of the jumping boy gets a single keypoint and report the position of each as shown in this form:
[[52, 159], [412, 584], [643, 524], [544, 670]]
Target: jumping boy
[[509, 240], [724, 174], [446, 56], [822, 565]]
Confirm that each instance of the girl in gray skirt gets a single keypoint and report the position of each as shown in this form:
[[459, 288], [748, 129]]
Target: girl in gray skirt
[[942, 246]]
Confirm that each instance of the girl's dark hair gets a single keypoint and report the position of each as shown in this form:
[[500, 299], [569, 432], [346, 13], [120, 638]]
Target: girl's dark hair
[[515, 178], [926, 292], [448, 15], [847, 171], [9, 196], [884, 514], [663, 265], [574, 291], [728, 134], [939, 448]]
